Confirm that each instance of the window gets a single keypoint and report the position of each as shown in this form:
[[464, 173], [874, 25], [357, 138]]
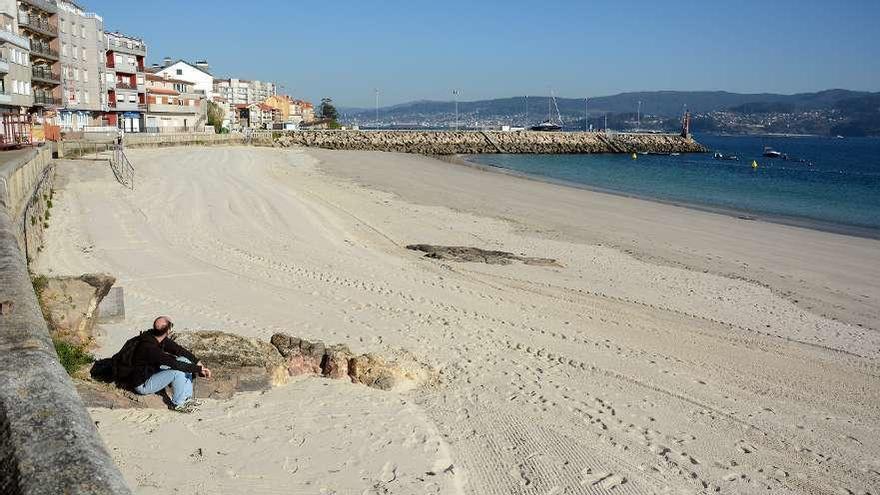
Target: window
[[27, 58], [82, 30], [64, 49], [75, 51], [179, 72], [76, 74], [86, 97], [85, 75], [63, 26], [83, 54], [132, 99], [120, 98]]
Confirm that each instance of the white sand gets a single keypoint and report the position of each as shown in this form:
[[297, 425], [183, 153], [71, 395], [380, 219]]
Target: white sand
[[637, 374]]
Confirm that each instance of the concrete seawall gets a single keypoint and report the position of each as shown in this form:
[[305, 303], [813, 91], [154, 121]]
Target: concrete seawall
[[473, 142], [48, 442]]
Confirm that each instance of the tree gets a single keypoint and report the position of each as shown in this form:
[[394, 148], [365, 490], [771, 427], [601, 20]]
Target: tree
[[215, 116], [328, 111]]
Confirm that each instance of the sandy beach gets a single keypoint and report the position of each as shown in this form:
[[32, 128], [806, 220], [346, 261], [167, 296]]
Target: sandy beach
[[669, 350]]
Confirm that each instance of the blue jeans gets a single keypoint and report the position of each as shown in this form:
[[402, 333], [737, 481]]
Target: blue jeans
[[181, 383]]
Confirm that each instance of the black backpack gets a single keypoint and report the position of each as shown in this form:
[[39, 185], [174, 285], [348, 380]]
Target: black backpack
[[121, 361]]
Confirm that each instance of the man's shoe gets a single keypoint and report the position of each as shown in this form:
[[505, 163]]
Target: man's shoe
[[187, 407]]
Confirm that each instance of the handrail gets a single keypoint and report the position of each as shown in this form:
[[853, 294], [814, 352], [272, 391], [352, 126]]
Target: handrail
[[122, 168]]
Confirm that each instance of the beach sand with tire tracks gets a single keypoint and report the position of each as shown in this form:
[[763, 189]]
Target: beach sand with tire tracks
[[668, 351]]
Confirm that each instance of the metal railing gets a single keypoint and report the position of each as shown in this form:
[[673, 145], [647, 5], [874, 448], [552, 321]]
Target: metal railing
[[45, 74], [122, 168], [37, 24], [44, 50], [46, 100]]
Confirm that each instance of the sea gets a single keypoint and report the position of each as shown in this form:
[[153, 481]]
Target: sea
[[826, 183]]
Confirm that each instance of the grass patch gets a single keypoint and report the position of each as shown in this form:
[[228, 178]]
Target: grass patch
[[40, 282], [72, 357]]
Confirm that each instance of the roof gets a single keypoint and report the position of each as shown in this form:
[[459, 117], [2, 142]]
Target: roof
[[241, 105], [182, 61], [163, 91], [154, 77]]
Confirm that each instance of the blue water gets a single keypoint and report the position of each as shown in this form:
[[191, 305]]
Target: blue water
[[839, 190]]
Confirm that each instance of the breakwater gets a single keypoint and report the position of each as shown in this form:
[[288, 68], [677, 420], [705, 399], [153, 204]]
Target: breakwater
[[48, 442], [481, 142]]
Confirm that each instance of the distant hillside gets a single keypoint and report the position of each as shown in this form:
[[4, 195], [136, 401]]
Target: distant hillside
[[659, 103], [835, 111]]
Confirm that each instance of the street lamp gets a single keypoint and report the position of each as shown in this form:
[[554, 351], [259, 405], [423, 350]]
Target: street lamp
[[455, 98], [377, 106]]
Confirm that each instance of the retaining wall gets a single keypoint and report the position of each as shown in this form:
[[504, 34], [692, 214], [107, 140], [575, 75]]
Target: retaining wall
[[473, 142], [48, 442]]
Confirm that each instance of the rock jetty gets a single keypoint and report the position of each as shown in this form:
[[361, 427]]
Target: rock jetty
[[475, 142]]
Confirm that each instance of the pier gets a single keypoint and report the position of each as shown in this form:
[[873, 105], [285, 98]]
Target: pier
[[477, 142]]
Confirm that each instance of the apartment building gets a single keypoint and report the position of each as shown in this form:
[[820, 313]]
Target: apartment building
[[241, 92], [124, 78], [38, 21], [198, 73], [82, 55], [174, 105], [15, 66]]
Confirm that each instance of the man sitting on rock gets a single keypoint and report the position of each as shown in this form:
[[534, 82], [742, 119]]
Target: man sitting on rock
[[151, 361]]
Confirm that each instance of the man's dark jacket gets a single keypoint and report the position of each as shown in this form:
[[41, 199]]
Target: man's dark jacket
[[150, 354]]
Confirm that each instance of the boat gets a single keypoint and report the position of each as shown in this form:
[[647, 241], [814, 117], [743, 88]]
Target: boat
[[771, 153], [549, 125], [546, 126], [722, 156]]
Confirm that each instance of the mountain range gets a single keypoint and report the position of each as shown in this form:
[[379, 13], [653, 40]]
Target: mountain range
[[832, 111]]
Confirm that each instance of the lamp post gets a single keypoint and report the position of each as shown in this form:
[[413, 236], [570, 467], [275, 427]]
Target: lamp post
[[586, 114], [455, 99], [377, 106], [639, 117]]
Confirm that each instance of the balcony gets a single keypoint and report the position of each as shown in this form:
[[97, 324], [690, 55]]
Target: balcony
[[37, 25], [4, 66], [41, 74], [125, 85], [124, 106], [125, 67], [15, 39], [45, 100], [43, 51], [177, 109], [5, 98], [43, 5], [132, 48]]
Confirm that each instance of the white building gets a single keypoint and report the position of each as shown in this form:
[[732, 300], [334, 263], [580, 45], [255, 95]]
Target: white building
[[198, 74]]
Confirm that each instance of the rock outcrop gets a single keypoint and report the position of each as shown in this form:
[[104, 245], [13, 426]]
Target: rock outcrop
[[476, 142], [71, 304], [241, 364], [476, 255]]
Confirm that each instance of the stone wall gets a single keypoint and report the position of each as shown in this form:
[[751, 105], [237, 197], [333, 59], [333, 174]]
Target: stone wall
[[48, 443], [473, 142]]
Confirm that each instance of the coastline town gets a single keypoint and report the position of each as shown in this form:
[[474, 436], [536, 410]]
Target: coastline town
[[63, 73]]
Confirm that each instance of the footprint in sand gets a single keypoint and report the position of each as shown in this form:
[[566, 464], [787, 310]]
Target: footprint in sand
[[602, 479]]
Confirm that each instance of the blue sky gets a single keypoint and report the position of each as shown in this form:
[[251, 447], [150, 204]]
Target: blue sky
[[423, 49]]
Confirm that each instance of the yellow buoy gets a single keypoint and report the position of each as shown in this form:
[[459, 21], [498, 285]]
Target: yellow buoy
[[754, 164], [635, 156]]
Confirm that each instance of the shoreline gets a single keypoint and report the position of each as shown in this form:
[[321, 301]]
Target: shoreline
[[657, 232], [791, 221]]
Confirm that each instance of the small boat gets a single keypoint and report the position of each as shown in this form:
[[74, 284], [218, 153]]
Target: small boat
[[722, 156], [546, 126], [549, 125], [771, 153]]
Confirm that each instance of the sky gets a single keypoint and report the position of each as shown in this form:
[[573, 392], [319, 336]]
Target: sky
[[419, 49]]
